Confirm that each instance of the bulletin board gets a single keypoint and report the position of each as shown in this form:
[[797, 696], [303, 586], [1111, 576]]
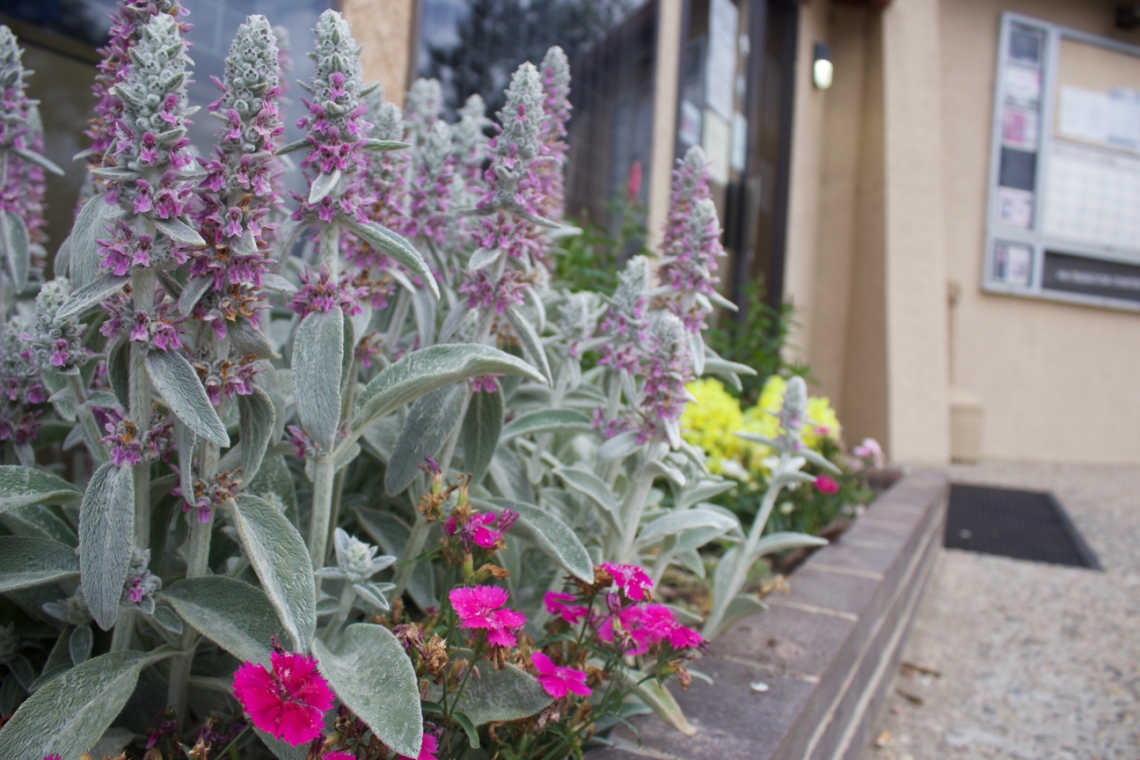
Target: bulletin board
[[1064, 193]]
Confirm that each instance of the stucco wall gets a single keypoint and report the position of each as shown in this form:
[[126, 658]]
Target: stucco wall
[[384, 28], [1057, 382]]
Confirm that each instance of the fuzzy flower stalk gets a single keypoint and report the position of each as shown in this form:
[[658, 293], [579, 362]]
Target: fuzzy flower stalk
[[21, 166]]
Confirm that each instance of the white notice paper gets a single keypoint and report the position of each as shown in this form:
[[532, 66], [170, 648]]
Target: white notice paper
[[720, 62], [739, 141], [1102, 118], [718, 145]]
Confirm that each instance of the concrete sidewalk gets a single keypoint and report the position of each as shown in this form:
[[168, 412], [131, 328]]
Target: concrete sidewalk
[[1014, 659]]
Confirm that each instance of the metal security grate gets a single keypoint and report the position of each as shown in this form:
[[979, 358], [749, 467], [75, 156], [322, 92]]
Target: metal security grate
[[1018, 524]]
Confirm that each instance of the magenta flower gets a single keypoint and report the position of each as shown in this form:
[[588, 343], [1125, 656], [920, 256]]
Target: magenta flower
[[558, 603], [478, 607], [337, 756], [639, 627], [826, 484], [475, 531], [289, 702], [427, 750], [558, 680], [318, 292], [631, 579]]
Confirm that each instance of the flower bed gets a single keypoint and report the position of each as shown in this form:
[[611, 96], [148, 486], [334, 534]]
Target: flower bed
[[805, 679]]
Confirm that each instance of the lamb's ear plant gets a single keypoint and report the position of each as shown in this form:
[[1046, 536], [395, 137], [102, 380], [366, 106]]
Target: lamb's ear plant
[[362, 447]]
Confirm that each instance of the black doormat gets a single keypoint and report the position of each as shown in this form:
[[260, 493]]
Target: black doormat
[[1018, 524]]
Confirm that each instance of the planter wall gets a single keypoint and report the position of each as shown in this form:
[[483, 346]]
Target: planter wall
[[827, 651]]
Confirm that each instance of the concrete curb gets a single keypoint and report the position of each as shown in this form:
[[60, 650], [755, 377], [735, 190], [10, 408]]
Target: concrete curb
[[827, 651]]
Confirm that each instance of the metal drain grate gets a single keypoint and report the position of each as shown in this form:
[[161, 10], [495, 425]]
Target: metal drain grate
[[1018, 524]]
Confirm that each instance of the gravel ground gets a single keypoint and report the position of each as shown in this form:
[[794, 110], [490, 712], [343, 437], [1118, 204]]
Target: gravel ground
[[1015, 659]]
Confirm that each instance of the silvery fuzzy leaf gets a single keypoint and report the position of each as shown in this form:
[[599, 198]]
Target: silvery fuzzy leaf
[[483, 258], [79, 644], [26, 561], [106, 534], [701, 490], [99, 289], [277, 283], [179, 231], [531, 343], [114, 172], [281, 560], [236, 616], [426, 369], [23, 486], [509, 475], [659, 699], [323, 185], [373, 677], [674, 523], [329, 604], [61, 264], [666, 471], [293, 147], [498, 696], [376, 146], [119, 371], [589, 485], [697, 351], [187, 442], [39, 521], [482, 427], [318, 358], [192, 293], [398, 248], [546, 532], [453, 320], [819, 460], [40, 160], [280, 749], [175, 379], [102, 399], [372, 595], [741, 606], [168, 619], [547, 421], [392, 535], [247, 339], [273, 478], [783, 541], [17, 253], [619, 447], [432, 418], [423, 305], [69, 714], [85, 264], [257, 418]]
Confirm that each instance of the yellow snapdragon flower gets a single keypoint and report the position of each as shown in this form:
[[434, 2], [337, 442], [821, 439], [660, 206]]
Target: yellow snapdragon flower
[[711, 420]]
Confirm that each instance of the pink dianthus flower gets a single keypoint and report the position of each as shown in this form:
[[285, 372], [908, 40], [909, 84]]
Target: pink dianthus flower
[[631, 579], [289, 702], [826, 484], [558, 603], [558, 680], [478, 607], [427, 750]]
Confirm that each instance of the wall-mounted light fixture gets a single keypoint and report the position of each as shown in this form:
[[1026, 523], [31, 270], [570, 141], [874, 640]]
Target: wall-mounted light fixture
[[821, 69]]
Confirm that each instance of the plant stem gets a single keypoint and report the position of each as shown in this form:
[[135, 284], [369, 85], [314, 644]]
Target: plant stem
[[412, 550], [631, 508], [87, 419], [323, 482], [347, 597]]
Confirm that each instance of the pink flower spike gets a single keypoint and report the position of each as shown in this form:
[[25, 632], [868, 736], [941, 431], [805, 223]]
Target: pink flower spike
[[631, 579], [428, 749], [289, 702], [558, 680]]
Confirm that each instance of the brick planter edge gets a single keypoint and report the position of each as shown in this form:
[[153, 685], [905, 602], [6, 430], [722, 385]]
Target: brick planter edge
[[827, 651]]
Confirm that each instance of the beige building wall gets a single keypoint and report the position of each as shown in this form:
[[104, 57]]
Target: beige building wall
[[888, 211], [385, 28]]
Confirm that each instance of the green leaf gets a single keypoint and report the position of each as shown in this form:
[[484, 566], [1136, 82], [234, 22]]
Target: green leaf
[[468, 728], [175, 379], [88, 228], [547, 421], [119, 371], [99, 289], [18, 254], [547, 533], [779, 542], [106, 533], [432, 418], [179, 231], [423, 371], [195, 288], [741, 606], [236, 616], [482, 427], [23, 486], [281, 561], [257, 418], [398, 248], [658, 698], [69, 714], [318, 353], [678, 522], [279, 748], [292, 147], [39, 159], [375, 146], [374, 678], [323, 185], [273, 477], [531, 343], [589, 485], [701, 490], [498, 695], [26, 562], [79, 644], [391, 534]]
